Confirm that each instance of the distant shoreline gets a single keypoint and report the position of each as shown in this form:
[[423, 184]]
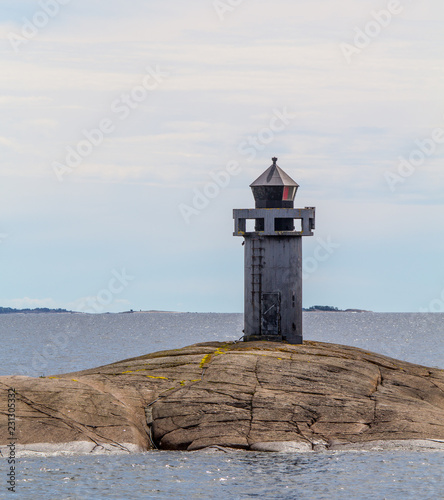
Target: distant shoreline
[[38, 310], [333, 309], [46, 310]]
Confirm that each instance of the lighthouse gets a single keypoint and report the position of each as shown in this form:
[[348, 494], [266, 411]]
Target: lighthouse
[[273, 258]]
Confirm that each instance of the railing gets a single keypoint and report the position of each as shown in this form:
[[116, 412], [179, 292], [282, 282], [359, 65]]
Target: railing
[[306, 215]]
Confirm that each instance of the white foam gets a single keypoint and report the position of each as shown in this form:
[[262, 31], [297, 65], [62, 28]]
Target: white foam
[[282, 446], [380, 445], [71, 448], [395, 444]]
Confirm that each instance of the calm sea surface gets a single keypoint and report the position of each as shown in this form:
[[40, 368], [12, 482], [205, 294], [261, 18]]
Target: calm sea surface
[[56, 343]]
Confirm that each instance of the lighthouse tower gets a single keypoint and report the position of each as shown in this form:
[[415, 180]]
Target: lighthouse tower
[[273, 258]]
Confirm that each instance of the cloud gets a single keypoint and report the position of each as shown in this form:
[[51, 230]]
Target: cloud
[[14, 100], [89, 304], [29, 303], [9, 143]]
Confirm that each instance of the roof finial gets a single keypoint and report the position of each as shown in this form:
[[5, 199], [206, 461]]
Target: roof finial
[[274, 160]]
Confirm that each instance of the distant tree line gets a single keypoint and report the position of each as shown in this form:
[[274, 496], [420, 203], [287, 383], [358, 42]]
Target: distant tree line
[[322, 308], [9, 310], [332, 309]]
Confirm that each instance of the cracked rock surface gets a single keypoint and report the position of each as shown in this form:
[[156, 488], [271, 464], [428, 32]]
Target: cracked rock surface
[[257, 395]]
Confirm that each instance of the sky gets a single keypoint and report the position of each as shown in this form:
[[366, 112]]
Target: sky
[[130, 130]]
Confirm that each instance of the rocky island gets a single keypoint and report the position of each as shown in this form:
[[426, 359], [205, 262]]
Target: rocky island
[[261, 396]]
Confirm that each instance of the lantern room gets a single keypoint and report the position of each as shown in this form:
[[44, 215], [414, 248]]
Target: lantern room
[[274, 188]]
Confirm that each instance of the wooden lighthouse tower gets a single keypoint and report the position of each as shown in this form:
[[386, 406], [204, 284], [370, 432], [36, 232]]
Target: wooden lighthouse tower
[[273, 258]]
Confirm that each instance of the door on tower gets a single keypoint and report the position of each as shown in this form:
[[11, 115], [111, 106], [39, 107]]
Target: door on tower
[[271, 313]]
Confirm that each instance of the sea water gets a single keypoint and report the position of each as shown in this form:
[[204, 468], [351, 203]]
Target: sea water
[[46, 344]]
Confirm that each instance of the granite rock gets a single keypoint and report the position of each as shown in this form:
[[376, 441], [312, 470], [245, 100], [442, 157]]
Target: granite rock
[[261, 396]]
